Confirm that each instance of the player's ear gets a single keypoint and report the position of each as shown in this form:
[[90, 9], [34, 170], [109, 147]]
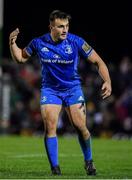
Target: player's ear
[[50, 27]]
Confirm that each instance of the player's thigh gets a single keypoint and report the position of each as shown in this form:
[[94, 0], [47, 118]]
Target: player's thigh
[[77, 114], [50, 112]]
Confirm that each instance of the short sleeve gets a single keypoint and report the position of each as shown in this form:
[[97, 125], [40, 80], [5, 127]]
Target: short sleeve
[[84, 48], [31, 48]]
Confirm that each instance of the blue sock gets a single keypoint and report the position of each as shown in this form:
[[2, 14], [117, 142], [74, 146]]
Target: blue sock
[[86, 147], [51, 145]]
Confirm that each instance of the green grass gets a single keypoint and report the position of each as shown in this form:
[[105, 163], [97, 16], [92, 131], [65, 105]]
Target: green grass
[[25, 158]]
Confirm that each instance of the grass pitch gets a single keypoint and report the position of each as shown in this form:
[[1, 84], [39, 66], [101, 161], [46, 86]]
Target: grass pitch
[[25, 158]]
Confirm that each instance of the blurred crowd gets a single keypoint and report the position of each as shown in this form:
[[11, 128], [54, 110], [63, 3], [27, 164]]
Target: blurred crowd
[[20, 107]]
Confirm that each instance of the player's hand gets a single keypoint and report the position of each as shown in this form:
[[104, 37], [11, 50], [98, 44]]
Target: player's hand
[[106, 89], [13, 36]]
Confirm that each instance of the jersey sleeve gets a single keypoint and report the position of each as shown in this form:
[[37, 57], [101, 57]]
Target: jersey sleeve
[[84, 48], [31, 48]]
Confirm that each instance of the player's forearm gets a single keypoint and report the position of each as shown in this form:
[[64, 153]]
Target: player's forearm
[[102, 68], [16, 53], [103, 71]]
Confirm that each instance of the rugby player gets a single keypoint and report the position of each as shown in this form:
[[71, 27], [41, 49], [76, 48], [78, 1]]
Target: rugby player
[[59, 52]]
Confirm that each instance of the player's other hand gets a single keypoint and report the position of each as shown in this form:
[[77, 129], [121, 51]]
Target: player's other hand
[[106, 89], [13, 36]]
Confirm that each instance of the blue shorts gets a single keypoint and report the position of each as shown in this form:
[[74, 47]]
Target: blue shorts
[[64, 97]]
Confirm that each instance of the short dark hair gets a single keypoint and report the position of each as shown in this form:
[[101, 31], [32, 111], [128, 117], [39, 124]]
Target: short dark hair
[[57, 14]]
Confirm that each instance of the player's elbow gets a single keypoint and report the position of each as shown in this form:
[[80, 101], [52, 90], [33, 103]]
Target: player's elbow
[[20, 60]]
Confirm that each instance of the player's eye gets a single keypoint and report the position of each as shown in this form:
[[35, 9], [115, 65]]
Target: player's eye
[[61, 26]]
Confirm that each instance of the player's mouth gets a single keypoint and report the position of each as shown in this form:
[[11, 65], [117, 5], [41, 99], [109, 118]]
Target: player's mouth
[[64, 35]]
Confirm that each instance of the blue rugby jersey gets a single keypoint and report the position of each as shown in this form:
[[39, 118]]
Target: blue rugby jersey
[[59, 61]]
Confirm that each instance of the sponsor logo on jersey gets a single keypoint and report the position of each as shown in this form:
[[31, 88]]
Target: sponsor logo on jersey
[[45, 49], [59, 61], [56, 56]]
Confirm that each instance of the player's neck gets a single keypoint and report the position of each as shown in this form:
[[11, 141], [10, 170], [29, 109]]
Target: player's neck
[[55, 40]]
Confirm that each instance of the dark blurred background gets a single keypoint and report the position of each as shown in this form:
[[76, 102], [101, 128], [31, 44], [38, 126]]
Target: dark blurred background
[[106, 26]]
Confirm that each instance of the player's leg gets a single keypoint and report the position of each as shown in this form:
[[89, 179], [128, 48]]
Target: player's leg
[[50, 115], [78, 118], [76, 110]]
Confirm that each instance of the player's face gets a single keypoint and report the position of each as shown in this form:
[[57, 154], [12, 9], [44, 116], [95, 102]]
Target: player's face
[[59, 29]]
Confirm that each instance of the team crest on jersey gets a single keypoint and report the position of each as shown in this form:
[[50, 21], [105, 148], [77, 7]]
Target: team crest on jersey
[[68, 49], [45, 49], [86, 47]]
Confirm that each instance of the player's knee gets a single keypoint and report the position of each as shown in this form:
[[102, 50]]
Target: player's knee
[[81, 127], [51, 128]]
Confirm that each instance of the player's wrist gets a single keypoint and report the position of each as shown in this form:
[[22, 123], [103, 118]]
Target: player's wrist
[[107, 81]]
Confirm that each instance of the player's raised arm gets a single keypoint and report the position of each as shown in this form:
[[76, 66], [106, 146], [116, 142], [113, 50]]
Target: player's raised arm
[[104, 73], [18, 54]]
